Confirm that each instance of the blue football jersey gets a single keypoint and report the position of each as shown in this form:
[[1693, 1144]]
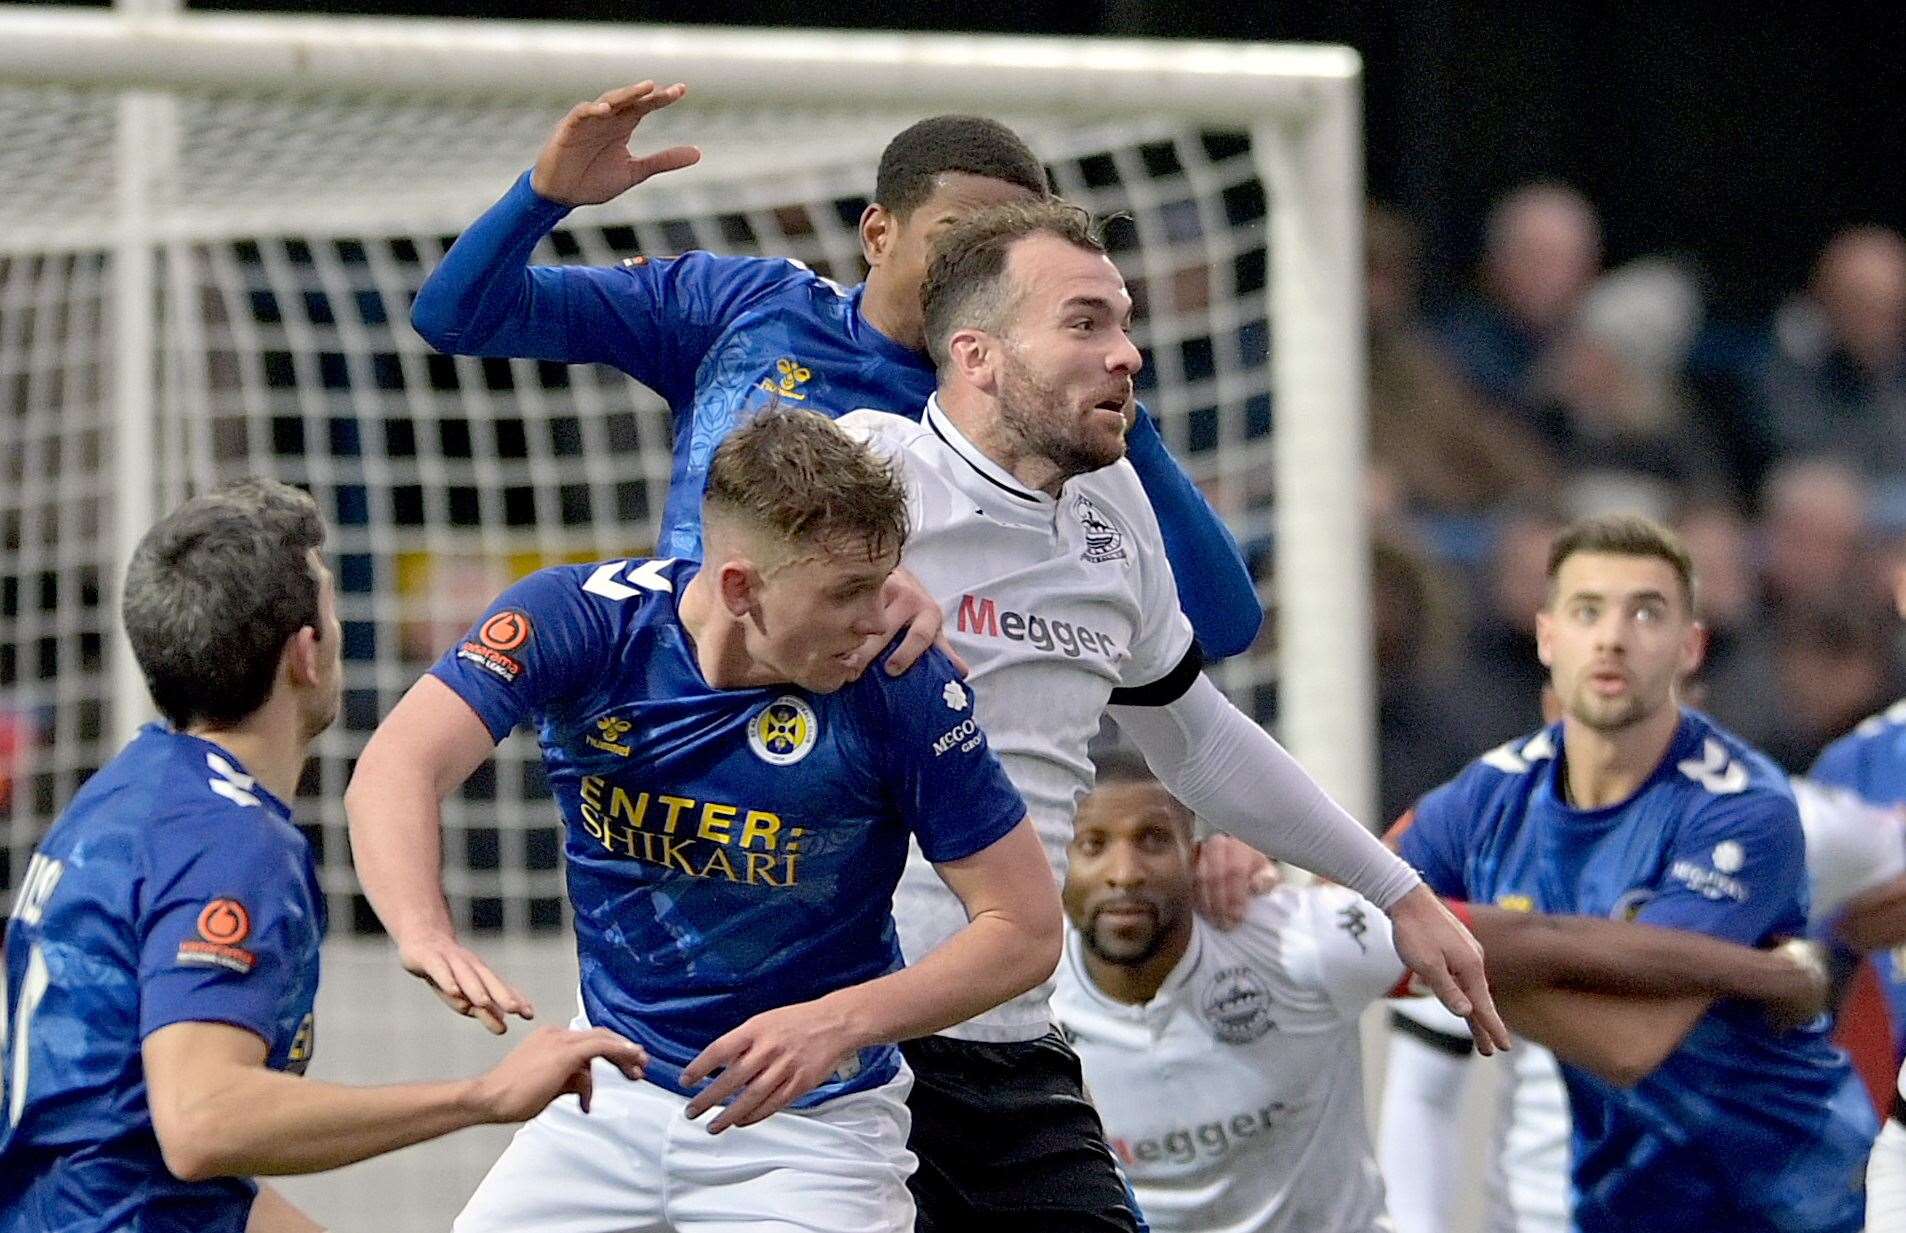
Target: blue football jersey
[[1870, 762], [1741, 1127], [729, 850], [173, 889]]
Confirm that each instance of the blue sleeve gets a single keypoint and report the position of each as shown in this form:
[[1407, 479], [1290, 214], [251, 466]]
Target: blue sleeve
[[542, 641], [1737, 871], [944, 779], [1838, 766], [223, 909], [653, 319], [1214, 584], [1433, 837]]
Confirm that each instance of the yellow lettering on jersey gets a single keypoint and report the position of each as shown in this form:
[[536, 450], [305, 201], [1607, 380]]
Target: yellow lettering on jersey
[[675, 806], [761, 866], [760, 824], [620, 806], [673, 854], [716, 819], [718, 857], [1515, 903], [592, 790]]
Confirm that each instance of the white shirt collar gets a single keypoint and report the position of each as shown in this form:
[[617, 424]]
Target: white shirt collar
[[990, 480]]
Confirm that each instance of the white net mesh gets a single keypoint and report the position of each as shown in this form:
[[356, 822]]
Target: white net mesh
[[290, 235]]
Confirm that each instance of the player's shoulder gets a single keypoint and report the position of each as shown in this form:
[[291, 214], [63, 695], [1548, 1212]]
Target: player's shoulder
[[704, 266], [888, 430], [1725, 771], [1112, 492], [188, 800], [929, 693], [1869, 756], [621, 584]]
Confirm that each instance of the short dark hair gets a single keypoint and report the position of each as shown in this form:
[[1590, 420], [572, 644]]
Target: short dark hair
[[1623, 535], [1119, 765], [974, 145], [213, 592], [965, 283], [798, 475]]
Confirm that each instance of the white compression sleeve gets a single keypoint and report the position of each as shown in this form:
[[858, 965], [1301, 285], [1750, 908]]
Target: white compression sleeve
[[1232, 774]]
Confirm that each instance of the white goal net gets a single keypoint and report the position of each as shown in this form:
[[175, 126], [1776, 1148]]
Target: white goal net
[[210, 234]]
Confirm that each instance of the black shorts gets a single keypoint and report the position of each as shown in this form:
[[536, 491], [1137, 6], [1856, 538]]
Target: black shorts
[[1008, 1142]]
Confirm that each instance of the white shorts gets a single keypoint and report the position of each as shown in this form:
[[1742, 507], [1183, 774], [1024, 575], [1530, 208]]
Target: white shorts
[[636, 1164]]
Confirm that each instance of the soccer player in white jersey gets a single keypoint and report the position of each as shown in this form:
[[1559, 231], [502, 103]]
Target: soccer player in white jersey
[[1227, 1065], [1856, 870], [1033, 533]]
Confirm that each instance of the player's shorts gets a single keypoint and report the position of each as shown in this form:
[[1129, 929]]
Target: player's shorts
[[1008, 1142], [636, 1164]]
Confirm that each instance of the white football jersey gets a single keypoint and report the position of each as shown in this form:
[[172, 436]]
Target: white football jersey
[[1234, 1098], [1053, 604], [1851, 846]]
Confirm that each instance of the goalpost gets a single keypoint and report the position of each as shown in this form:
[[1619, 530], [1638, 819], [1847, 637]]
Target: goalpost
[[211, 228]]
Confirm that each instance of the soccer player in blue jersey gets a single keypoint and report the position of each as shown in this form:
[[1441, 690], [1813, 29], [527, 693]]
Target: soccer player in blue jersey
[[738, 799], [1635, 807], [162, 953], [718, 336]]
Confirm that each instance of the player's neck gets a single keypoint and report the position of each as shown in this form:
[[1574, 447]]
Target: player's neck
[[1135, 984], [718, 639], [974, 414], [1606, 768], [269, 744], [888, 311]]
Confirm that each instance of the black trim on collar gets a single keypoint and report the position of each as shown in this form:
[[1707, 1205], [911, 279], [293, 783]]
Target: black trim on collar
[[1166, 689], [1021, 493]]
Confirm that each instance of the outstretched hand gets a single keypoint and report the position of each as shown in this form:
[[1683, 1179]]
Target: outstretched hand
[[1448, 959], [587, 161]]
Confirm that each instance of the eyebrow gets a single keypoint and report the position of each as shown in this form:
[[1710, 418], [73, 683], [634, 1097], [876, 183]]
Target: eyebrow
[[1096, 302], [1598, 597]]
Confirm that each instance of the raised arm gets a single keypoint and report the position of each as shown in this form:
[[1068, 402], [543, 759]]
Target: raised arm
[[1011, 943], [485, 298], [1232, 774], [218, 1111], [423, 751], [1214, 584]]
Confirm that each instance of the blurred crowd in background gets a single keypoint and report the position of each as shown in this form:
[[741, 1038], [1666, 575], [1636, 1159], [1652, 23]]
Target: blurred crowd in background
[[1549, 386]]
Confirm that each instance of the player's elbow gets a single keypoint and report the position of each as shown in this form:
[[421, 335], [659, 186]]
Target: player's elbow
[[1044, 927], [189, 1144], [434, 315]]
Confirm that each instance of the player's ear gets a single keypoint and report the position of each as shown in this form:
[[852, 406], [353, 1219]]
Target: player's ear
[[878, 228], [1544, 630], [739, 584], [974, 354], [303, 659], [1693, 647]]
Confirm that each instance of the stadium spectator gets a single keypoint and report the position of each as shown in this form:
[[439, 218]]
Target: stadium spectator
[[162, 956], [1499, 683], [1837, 383], [1613, 390], [1436, 448], [1814, 535], [1542, 248]]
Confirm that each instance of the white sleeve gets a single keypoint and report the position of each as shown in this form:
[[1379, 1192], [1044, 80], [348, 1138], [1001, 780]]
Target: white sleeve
[[1164, 637], [1419, 1147], [1233, 775], [1851, 845], [1342, 948]]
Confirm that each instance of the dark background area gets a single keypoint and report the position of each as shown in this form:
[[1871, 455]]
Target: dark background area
[[1741, 134]]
